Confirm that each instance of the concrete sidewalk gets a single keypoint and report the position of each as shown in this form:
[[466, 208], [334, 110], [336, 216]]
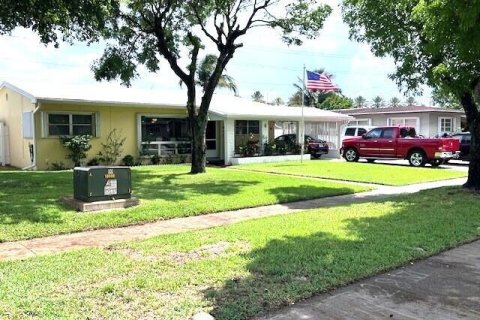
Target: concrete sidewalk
[[104, 237], [446, 286]]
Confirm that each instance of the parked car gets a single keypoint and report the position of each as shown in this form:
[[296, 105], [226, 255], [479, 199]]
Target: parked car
[[400, 143], [355, 131], [464, 138], [315, 147]]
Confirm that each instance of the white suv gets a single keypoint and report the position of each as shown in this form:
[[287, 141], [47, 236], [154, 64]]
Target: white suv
[[355, 131]]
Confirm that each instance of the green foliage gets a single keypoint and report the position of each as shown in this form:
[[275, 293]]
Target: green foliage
[[83, 20], [378, 102], [93, 162], [269, 148], [335, 101], [155, 159], [360, 102], [57, 166], [128, 160], [77, 146], [394, 102], [359, 172], [112, 148], [257, 96]]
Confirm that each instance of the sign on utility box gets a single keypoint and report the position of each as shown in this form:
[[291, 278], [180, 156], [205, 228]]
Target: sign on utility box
[[102, 183]]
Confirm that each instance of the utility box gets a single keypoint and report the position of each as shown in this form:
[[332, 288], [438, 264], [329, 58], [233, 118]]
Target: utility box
[[102, 183]]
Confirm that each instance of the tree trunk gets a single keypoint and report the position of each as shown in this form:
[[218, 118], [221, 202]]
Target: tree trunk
[[199, 148], [473, 181], [473, 122]]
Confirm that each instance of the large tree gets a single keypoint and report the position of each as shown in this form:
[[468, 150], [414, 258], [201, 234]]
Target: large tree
[[82, 20], [436, 43], [181, 30]]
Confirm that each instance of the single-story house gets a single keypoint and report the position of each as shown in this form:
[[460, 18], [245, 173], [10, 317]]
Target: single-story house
[[32, 119], [428, 121]]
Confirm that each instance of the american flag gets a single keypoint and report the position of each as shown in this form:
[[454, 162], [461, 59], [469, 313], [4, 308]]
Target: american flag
[[320, 82]]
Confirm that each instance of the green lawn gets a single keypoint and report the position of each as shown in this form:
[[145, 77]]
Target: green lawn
[[394, 175], [30, 206], [240, 270]]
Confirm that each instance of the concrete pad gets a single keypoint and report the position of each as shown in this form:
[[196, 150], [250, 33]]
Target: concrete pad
[[446, 286], [83, 206]]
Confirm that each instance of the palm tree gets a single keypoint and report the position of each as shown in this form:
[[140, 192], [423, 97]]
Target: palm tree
[[257, 96], [378, 102], [394, 102], [411, 101], [206, 68], [278, 101], [360, 102]]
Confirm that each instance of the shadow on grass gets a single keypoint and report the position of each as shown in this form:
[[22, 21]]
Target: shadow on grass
[[33, 196], [174, 187], [291, 268]]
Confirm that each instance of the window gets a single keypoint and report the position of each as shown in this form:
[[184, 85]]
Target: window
[[387, 133], [350, 132], [164, 129], [64, 124], [375, 133], [445, 125], [404, 122], [360, 122], [247, 127], [361, 131]]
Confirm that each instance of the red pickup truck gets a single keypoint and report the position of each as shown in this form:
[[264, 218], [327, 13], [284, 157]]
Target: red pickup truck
[[399, 143]]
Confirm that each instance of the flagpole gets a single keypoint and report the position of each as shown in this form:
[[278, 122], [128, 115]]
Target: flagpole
[[302, 125]]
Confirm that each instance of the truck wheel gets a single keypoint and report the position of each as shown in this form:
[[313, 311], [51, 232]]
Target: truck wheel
[[351, 155], [316, 155], [417, 158]]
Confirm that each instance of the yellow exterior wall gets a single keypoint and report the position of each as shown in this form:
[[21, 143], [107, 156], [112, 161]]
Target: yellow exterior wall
[[125, 119], [12, 105]]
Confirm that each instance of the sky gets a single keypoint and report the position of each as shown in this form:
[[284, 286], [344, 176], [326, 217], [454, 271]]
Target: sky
[[265, 64]]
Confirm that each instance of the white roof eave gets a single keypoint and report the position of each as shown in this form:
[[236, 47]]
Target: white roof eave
[[109, 103]]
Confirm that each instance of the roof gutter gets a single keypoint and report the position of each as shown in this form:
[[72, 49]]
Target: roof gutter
[[34, 146]]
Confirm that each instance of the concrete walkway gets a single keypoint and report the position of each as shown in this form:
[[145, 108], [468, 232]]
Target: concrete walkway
[[446, 286], [104, 237]]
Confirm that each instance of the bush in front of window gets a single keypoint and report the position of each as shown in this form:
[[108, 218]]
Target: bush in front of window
[[77, 146]]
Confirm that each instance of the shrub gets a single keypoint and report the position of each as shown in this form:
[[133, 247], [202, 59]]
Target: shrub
[[56, 166], [112, 149], [93, 162], [128, 160], [269, 148], [155, 159], [77, 146]]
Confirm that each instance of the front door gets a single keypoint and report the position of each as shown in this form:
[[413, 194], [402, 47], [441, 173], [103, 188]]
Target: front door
[[211, 140]]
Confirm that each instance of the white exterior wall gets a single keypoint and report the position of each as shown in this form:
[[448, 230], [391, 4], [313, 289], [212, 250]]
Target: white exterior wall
[[229, 140], [263, 133]]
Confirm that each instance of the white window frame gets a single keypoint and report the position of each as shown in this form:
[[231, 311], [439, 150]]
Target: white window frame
[[355, 122], [452, 124], [45, 122], [404, 120]]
